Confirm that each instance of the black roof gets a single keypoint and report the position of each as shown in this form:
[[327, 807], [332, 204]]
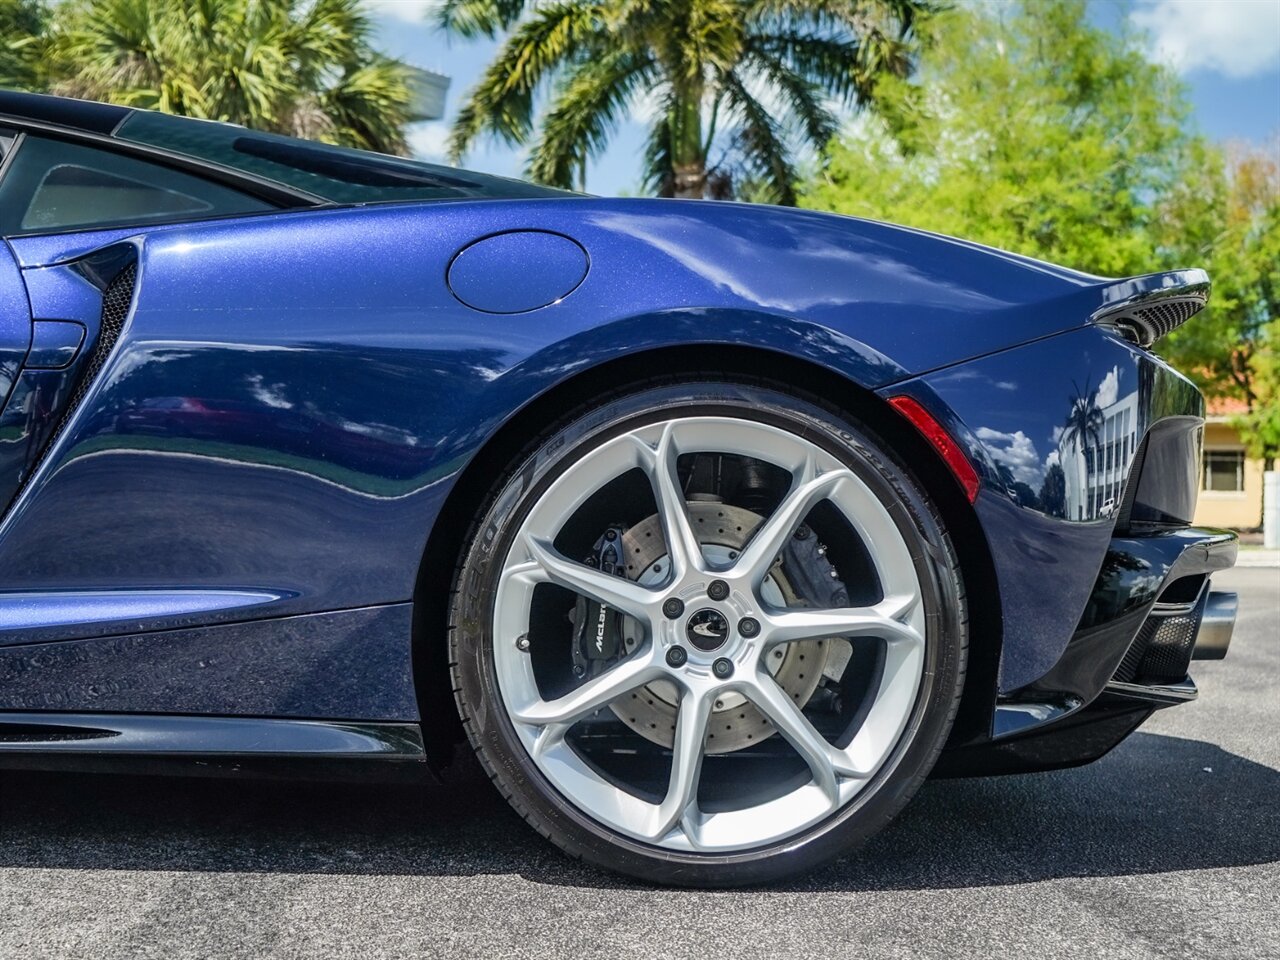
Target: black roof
[[79, 114], [284, 170]]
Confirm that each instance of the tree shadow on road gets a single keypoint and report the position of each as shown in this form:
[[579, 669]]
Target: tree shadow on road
[[1156, 804]]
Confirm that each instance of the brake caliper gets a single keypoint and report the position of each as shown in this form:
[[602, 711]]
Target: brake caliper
[[597, 633]]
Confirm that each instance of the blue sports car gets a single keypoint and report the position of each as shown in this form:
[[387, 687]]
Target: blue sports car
[[713, 529]]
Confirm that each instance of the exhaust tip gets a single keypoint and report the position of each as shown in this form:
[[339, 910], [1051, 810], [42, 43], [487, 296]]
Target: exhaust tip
[[1214, 636]]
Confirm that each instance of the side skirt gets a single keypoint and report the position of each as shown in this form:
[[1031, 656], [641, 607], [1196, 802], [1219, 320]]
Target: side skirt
[[213, 746]]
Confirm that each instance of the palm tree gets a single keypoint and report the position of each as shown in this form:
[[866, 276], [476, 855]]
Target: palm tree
[[300, 67], [764, 73], [1085, 420], [21, 26]]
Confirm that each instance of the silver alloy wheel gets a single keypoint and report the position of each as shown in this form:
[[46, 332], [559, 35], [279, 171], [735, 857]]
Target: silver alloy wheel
[[837, 774]]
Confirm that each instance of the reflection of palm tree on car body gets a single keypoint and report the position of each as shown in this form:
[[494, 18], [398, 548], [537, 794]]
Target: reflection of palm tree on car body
[[1082, 433]]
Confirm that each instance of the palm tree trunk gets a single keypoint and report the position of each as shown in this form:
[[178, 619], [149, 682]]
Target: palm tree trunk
[[688, 160]]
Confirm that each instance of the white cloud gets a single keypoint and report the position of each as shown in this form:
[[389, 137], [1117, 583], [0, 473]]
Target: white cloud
[[429, 141], [1014, 450], [1237, 38], [414, 11], [1109, 389]]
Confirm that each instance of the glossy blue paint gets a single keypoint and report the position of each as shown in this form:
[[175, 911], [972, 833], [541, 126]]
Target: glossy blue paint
[[517, 272], [54, 344], [1048, 506], [115, 735], [292, 389], [50, 249], [66, 297], [15, 322], [62, 293], [293, 397], [30, 617]]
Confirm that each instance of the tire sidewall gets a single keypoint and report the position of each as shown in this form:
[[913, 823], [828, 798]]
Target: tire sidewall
[[491, 729]]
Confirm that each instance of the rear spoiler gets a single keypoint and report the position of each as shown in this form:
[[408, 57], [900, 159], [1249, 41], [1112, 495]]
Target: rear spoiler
[[1144, 309]]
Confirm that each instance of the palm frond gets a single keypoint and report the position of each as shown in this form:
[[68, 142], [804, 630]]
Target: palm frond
[[584, 113], [659, 173], [369, 106], [804, 97], [807, 52], [764, 144], [478, 18], [502, 102], [828, 61], [294, 66]]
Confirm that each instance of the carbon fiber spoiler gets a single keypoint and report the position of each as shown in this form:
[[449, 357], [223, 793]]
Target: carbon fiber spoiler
[[1144, 309]]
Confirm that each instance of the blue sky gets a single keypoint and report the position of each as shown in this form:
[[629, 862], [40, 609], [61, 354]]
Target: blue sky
[[1227, 52]]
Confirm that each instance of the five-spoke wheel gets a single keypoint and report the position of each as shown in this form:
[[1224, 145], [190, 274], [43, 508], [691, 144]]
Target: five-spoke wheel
[[680, 570]]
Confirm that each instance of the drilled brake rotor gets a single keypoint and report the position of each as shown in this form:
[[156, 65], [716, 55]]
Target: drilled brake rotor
[[797, 667]]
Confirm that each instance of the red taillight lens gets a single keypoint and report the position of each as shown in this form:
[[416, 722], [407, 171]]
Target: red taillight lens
[[941, 441]]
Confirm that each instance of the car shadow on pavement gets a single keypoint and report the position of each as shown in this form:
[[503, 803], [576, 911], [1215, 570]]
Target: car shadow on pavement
[[1156, 804]]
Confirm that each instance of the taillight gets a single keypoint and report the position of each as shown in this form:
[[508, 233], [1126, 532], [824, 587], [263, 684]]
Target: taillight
[[941, 441]]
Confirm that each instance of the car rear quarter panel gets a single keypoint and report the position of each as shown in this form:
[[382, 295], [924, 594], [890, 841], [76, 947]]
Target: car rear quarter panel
[[1048, 508], [293, 396]]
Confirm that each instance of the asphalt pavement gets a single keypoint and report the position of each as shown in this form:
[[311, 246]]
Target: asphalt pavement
[[1168, 847]]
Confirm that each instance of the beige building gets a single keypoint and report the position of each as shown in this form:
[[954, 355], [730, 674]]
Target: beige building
[[1230, 483]]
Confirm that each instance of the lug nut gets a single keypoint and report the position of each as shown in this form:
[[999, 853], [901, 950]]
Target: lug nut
[[676, 657], [748, 626], [673, 607], [717, 590], [723, 668]]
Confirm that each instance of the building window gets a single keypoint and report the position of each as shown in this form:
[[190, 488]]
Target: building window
[[1224, 470]]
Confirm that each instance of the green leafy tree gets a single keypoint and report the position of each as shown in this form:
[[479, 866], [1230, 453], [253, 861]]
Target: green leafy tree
[[1260, 427], [1230, 214], [745, 79], [1025, 127], [22, 24], [300, 67]]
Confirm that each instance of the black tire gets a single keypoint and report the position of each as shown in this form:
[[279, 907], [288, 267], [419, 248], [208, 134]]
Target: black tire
[[494, 739]]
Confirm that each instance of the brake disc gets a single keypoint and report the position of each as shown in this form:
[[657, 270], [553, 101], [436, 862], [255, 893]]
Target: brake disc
[[797, 667]]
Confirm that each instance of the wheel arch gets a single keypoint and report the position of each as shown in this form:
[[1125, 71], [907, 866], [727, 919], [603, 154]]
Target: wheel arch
[[441, 726]]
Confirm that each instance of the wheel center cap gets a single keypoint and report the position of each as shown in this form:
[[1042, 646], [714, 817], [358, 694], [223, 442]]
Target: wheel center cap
[[707, 629]]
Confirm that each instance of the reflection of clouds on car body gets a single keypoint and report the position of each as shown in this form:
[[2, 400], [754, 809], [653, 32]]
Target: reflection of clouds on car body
[[714, 528]]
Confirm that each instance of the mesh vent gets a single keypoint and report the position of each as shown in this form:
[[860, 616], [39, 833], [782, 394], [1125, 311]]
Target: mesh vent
[[1168, 655], [1147, 324], [115, 307], [115, 303], [1161, 652], [1166, 317]]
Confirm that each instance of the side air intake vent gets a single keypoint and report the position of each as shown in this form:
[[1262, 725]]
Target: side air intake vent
[[116, 300], [115, 307]]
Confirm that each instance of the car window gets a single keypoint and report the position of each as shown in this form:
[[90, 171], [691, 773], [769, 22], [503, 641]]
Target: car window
[[337, 174], [53, 185]]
